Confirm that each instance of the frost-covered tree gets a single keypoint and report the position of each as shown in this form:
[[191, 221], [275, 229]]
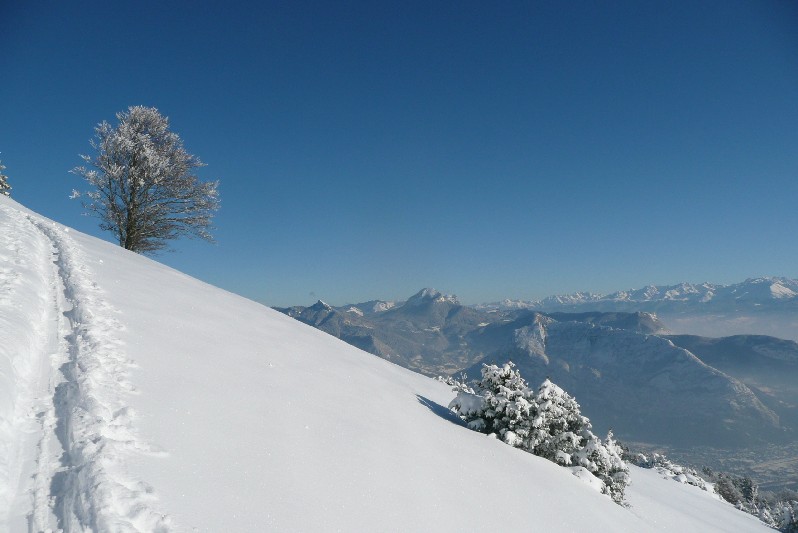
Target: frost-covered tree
[[5, 188], [143, 186]]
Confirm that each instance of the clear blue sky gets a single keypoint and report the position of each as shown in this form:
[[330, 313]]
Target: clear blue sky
[[487, 149]]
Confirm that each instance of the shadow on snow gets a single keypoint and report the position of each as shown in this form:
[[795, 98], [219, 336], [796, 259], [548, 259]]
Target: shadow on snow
[[440, 410]]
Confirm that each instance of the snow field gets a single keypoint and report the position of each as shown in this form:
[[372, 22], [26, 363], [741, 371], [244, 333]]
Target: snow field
[[184, 407], [24, 307], [66, 424]]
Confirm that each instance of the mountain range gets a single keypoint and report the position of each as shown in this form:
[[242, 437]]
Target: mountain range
[[756, 306], [759, 294], [425, 333], [627, 369]]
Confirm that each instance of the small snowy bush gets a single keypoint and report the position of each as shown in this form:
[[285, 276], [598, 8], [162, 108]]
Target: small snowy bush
[[558, 426], [603, 460], [779, 511], [5, 188], [500, 404], [668, 468], [785, 516], [547, 423]]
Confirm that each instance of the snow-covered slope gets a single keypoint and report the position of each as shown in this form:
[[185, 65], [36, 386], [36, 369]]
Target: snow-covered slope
[[135, 398]]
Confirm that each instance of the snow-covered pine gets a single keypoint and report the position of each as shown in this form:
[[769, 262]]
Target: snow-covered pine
[[563, 435], [5, 188], [604, 460], [547, 423], [509, 403], [143, 186], [786, 516], [502, 404], [558, 426]]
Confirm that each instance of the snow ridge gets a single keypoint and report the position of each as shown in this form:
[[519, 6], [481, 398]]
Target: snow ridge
[[96, 429], [756, 291]]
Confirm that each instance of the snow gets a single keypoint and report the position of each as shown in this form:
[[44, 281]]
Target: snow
[[379, 307], [778, 290], [431, 295], [584, 475], [699, 510], [682, 296], [136, 398]]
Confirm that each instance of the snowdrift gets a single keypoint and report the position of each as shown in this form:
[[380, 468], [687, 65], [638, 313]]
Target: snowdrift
[[136, 398]]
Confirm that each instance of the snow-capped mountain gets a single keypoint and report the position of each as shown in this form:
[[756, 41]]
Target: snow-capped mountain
[[373, 306], [425, 332], [431, 296], [136, 398], [756, 306], [430, 332], [775, 292]]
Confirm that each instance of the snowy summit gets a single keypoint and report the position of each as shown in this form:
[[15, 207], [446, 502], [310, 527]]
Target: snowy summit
[[136, 398]]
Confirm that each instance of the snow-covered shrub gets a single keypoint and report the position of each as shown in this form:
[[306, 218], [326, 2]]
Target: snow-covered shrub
[[509, 403], [779, 511], [740, 491], [785, 516], [547, 423], [558, 425], [457, 384], [666, 467], [728, 491], [5, 188], [604, 460], [500, 405]]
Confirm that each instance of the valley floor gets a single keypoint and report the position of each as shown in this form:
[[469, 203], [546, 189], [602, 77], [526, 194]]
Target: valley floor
[[773, 467]]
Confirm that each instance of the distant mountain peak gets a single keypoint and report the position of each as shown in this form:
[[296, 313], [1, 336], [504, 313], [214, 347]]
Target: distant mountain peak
[[321, 306], [431, 295]]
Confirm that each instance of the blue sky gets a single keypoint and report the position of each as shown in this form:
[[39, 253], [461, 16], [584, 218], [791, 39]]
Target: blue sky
[[368, 149]]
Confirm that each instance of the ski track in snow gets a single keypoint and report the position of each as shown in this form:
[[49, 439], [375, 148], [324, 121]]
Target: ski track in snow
[[24, 317], [75, 405]]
